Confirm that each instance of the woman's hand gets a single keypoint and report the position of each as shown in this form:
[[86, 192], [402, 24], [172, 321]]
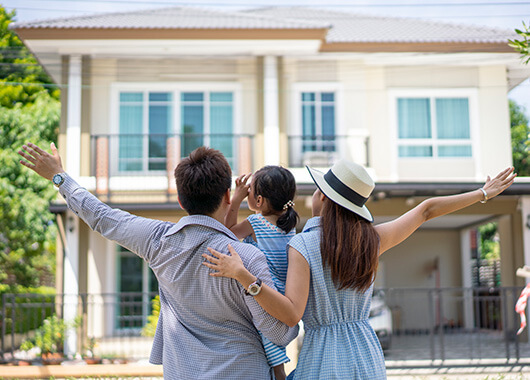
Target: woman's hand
[[501, 182], [242, 188], [230, 266]]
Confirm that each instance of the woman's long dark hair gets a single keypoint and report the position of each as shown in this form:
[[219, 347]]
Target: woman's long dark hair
[[278, 186], [349, 246]]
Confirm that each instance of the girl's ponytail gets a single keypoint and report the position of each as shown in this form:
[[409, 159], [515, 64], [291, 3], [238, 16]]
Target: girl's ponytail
[[288, 220], [278, 186]]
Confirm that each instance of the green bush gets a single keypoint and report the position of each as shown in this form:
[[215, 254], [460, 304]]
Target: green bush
[[49, 337], [25, 308], [152, 320]]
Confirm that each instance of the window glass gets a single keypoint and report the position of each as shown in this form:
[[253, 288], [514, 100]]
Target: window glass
[[192, 128], [452, 118], [192, 97], [415, 151], [454, 150], [414, 120], [159, 128], [221, 129], [130, 149], [308, 96]]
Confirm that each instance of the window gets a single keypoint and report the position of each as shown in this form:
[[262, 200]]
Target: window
[[207, 119], [142, 141], [318, 121], [433, 127], [146, 119], [137, 286]]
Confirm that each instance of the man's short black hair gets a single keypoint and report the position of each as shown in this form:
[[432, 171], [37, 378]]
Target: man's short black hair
[[202, 180]]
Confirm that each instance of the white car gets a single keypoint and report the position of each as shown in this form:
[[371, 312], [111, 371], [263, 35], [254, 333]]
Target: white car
[[381, 320]]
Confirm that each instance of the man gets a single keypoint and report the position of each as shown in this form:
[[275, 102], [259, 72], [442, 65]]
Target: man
[[208, 327]]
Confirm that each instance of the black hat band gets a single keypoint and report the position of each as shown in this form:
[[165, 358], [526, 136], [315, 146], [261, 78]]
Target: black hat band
[[337, 185]]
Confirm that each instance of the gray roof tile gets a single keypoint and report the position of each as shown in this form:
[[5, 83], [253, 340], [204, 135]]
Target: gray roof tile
[[174, 18], [344, 26], [351, 27]]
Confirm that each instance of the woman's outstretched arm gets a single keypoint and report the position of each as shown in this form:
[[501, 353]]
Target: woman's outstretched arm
[[394, 232], [289, 308]]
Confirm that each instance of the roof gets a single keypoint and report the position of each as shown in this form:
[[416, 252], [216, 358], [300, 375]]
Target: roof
[[344, 27], [355, 27], [174, 18]]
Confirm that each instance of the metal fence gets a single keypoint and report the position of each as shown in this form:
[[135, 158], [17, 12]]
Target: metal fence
[[454, 323], [110, 324], [425, 324]]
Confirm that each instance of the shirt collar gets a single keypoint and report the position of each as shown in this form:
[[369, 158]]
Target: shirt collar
[[201, 220], [312, 224]]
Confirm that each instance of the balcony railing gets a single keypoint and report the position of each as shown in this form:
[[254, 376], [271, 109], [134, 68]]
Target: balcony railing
[[324, 150], [124, 164]]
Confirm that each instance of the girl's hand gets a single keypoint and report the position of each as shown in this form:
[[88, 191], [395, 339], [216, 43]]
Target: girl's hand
[[225, 265], [242, 188], [501, 182]]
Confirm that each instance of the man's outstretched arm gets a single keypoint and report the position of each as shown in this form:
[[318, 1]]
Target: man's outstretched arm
[[140, 235]]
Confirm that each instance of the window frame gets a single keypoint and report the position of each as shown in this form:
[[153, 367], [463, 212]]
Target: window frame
[[296, 128], [176, 89], [432, 94]]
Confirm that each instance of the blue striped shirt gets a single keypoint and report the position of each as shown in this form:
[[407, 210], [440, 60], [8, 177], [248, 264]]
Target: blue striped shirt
[[208, 326]]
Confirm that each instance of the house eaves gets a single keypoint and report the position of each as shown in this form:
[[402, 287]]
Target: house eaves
[[425, 189]]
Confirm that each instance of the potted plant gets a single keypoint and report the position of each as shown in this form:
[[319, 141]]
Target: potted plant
[[90, 357], [49, 339]]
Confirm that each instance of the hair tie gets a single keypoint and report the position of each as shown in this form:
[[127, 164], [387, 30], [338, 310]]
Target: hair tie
[[288, 204]]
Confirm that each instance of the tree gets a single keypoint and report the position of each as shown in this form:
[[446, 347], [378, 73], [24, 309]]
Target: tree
[[29, 111], [520, 139], [21, 76], [521, 45], [27, 230]]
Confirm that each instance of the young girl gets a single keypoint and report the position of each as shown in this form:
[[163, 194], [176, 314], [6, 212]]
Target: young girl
[[270, 196], [332, 266]]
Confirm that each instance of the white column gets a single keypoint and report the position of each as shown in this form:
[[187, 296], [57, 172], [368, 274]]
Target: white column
[[71, 280], [525, 212], [73, 163], [271, 111], [73, 118], [465, 249]]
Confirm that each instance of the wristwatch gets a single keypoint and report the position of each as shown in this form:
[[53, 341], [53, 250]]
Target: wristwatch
[[58, 179], [254, 288]]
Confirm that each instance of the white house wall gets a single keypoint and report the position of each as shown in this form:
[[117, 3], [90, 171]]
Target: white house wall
[[411, 264]]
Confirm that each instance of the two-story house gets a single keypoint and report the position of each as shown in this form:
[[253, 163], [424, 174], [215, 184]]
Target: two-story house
[[422, 104]]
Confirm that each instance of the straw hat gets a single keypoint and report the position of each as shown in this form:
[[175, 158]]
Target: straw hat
[[347, 184]]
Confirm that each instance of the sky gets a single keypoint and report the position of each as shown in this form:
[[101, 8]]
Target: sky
[[509, 14]]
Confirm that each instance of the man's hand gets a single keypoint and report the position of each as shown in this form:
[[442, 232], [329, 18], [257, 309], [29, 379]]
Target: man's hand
[[41, 162]]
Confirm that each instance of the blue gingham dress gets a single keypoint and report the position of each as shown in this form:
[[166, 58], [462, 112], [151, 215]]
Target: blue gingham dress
[[339, 342], [272, 241]]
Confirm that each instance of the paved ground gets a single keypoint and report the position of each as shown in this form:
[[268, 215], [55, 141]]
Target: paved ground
[[471, 373]]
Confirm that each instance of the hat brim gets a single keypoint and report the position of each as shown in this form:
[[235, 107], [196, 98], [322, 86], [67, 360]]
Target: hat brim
[[328, 191]]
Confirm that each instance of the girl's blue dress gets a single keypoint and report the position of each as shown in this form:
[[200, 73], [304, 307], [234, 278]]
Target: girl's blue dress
[[272, 241]]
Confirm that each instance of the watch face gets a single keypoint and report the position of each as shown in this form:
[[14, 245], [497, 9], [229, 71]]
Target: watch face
[[57, 179], [253, 289]]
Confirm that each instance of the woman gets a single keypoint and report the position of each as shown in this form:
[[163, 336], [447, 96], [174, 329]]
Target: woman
[[332, 266]]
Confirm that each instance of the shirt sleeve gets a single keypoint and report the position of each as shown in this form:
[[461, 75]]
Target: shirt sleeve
[[139, 235], [276, 331], [298, 243]]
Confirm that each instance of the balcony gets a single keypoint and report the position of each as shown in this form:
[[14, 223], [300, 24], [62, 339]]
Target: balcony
[[139, 168]]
